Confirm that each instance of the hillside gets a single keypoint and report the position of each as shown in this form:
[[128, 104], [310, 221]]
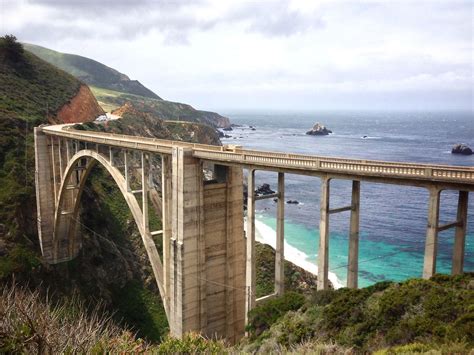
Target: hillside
[[113, 89], [32, 89], [32, 92], [91, 72], [166, 110], [433, 316]]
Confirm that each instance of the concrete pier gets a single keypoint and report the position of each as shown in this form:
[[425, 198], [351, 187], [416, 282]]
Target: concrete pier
[[460, 234], [431, 244], [280, 238], [323, 254], [353, 260]]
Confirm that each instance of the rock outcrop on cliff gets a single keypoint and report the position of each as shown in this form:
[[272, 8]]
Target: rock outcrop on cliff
[[83, 107], [319, 130], [136, 122]]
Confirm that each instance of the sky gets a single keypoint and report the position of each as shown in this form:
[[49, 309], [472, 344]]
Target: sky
[[296, 55]]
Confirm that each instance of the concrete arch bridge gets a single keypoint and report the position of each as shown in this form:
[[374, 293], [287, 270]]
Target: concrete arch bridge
[[206, 275]]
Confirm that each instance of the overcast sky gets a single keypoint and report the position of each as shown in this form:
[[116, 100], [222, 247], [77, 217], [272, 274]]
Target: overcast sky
[[278, 55]]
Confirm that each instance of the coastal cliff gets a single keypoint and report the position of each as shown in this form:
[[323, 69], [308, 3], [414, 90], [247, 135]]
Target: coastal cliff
[[113, 89], [83, 107]]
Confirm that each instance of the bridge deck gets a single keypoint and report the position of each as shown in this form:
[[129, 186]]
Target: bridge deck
[[369, 170]]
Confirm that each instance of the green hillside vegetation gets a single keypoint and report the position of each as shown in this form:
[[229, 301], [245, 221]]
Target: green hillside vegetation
[[413, 317], [90, 71], [113, 89], [431, 314], [30, 89]]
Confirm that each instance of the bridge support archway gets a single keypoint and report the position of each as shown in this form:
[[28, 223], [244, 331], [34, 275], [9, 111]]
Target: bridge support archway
[[202, 276]]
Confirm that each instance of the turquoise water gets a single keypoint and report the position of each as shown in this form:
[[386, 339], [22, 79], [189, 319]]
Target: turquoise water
[[377, 261], [393, 218]]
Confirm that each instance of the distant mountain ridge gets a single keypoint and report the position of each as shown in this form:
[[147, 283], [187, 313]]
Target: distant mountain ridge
[[91, 72], [114, 89]]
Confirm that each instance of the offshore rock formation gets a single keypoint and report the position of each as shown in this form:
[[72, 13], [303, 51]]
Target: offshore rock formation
[[463, 149], [264, 190], [319, 130]]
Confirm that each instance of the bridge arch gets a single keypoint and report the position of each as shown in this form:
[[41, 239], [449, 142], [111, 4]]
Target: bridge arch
[[67, 209]]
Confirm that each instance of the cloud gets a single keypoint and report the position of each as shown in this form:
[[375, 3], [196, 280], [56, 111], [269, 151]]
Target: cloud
[[175, 19], [274, 18], [198, 50]]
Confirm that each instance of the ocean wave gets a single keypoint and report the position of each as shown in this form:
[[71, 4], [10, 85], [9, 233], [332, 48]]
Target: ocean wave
[[267, 235], [370, 137]]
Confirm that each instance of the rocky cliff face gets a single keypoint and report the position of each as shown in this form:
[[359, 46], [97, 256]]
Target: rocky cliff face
[[215, 119], [83, 107]]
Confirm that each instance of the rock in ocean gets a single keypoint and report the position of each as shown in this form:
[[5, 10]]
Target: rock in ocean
[[319, 130], [463, 149]]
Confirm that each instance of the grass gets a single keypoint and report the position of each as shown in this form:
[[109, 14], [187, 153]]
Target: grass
[[90, 71], [32, 323], [31, 89]]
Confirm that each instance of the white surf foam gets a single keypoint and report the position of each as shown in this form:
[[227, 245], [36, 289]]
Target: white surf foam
[[267, 235]]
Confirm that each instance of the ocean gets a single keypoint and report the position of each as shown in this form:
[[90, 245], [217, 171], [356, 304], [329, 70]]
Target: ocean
[[393, 218]]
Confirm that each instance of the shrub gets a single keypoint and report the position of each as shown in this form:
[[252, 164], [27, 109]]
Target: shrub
[[191, 344], [11, 49], [435, 316], [31, 323], [264, 315]]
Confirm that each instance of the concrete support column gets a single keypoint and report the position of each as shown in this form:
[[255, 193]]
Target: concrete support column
[[431, 245], [323, 255], [280, 238], [146, 219], [460, 234], [250, 282], [166, 200], [53, 166], [60, 156], [186, 282], [111, 156], [126, 163], [353, 262], [68, 150]]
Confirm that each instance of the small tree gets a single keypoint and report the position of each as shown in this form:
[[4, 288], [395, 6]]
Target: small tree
[[11, 49]]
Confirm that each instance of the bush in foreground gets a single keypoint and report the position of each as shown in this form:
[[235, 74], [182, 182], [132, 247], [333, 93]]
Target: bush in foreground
[[31, 323], [413, 316], [263, 316], [191, 343]]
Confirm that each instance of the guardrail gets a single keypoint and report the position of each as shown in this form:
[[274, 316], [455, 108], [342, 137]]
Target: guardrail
[[262, 159]]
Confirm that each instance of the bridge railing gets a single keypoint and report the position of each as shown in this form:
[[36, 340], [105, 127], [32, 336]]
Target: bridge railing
[[363, 167], [277, 159]]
